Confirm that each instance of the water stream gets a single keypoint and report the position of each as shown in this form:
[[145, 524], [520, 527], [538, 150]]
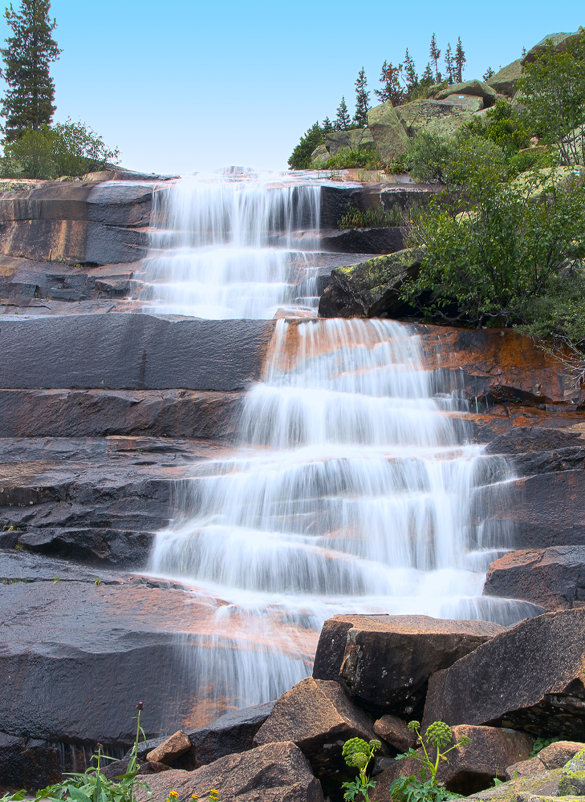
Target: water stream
[[353, 487]]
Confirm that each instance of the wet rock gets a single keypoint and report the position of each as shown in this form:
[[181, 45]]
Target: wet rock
[[364, 240], [548, 510], [401, 199], [372, 288], [385, 661], [388, 131], [319, 718], [553, 578], [118, 351], [395, 732], [539, 663], [171, 749], [469, 768], [278, 772]]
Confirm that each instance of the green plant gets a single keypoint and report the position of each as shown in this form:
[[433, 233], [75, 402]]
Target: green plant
[[300, 158], [424, 786], [540, 743], [92, 785], [369, 218], [358, 754], [347, 158]]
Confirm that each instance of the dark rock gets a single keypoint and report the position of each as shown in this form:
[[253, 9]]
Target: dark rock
[[403, 198], [277, 772], [319, 718], [385, 661], [364, 240], [136, 351], [529, 439], [469, 768], [548, 510], [539, 663], [372, 288], [553, 578], [395, 732], [29, 763]]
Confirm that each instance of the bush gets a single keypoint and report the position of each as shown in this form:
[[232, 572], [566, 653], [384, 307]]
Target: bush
[[456, 161], [503, 125], [300, 158], [347, 158], [370, 218], [427, 156], [63, 149]]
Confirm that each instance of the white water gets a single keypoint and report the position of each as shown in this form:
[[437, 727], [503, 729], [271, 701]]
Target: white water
[[232, 246], [352, 491]]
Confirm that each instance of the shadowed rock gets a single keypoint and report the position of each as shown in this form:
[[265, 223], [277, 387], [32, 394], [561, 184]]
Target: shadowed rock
[[530, 678], [554, 756]]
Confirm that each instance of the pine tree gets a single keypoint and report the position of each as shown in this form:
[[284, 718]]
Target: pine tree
[[28, 102], [427, 78], [434, 54], [327, 126], [362, 100], [489, 73], [459, 61], [390, 80], [410, 75], [343, 120], [449, 64]]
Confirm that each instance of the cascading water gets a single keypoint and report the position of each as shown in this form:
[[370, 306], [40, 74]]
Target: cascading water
[[351, 491], [232, 246]]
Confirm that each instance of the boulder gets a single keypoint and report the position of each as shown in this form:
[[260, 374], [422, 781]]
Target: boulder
[[466, 102], [572, 782], [350, 139], [558, 41], [468, 768], [554, 756], [172, 748], [388, 132], [473, 88], [505, 81], [387, 239], [418, 114], [395, 732], [319, 718], [553, 578], [372, 288], [404, 198], [319, 155], [385, 661], [277, 772], [448, 125], [539, 788], [539, 663]]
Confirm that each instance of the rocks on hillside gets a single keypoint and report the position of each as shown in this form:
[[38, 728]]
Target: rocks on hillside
[[278, 772], [388, 132], [319, 718], [384, 239], [337, 141], [372, 288], [472, 88], [385, 661], [505, 81], [418, 114], [530, 678], [469, 768], [558, 41], [553, 578]]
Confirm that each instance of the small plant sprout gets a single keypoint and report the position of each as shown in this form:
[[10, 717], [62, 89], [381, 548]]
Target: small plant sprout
[[357, 754], [424, 786]]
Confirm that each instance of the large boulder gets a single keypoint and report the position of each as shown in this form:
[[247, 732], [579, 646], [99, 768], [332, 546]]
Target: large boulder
[[553, 756], [385, 661], [277, 772], [505, 81], [529, 678], [319, 718], [382, 239], [350, 139], [388, 132], [468, 768], [472, 88], [466, 102], [372, 288], [552, 578], [559, 42], [418, 114]]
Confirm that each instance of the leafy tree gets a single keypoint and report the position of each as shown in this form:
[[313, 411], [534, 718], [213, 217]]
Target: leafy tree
[[459, 61], [391, 89], [300, 158], [435, 53], [343, 120], [410, 75], [449, 64], [28, 102], [362, 100], [553, 93]]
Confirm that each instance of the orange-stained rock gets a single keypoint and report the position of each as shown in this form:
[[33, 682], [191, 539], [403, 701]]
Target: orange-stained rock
[[167, 752]]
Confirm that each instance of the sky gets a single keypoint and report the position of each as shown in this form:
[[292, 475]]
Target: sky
[[182, 86]]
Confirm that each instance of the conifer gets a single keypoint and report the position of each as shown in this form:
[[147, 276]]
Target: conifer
[[410, 75], [343, 120], [434, 53], [449, 64], [390, 80], [459, 60], [362, 100]]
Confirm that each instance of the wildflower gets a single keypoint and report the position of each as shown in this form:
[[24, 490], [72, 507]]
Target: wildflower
[[194, 796], [173, 794], [140, 706]]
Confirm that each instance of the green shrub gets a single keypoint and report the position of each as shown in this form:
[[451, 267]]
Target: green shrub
[[370, 218], [347, 158], [427, 156], [300, 158], [503, 125]]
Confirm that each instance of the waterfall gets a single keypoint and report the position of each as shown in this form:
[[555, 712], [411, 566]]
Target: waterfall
[[352, 489], [232, 246]]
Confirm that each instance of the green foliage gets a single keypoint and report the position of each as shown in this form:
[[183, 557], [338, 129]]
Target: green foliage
[[63, 149], [28, 102], [343, 120], [347, 158], [462, 158], [553, 94], [427, 155], [424, 786], [357, 754], [370, 218], [362, 100], [300, 158], [541, 743], [92, 785], [504, 125]]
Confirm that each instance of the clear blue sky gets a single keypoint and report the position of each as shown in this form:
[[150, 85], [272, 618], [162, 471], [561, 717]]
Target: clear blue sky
[[185, 85]]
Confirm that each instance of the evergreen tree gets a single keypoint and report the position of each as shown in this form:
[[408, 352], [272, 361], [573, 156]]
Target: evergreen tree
[[362, 100], [449, 64], [459, 60], [28, 102], [434, 54], [327, 126], [343, 120], [300, 158], [427, 78], [489, 73], [390, 80], [410, 75]]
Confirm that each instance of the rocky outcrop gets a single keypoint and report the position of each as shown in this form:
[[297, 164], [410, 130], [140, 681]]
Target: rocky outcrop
[[277, 772], [472, 88], [419, 114], [539, 663], [350, 139], [505, 81], [557, 41], [372, 288], [552, 578], [384, 662], [388, 132]]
